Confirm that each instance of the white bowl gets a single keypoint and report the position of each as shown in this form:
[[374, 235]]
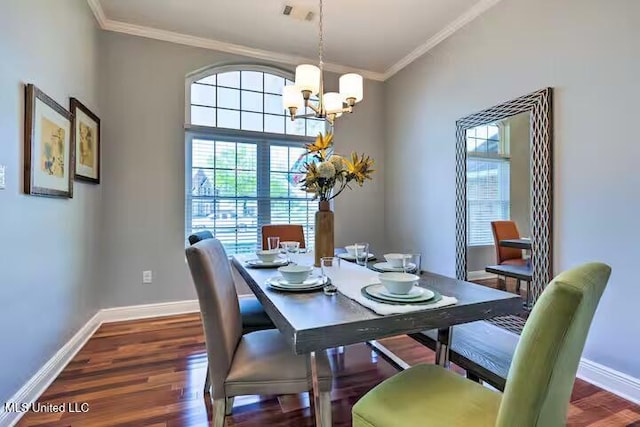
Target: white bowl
[[268, 256], [395, 260], [351, 249], [398, 283], [290, 246], [295, 273]]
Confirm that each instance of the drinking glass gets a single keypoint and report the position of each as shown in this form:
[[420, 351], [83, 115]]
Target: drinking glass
[[329, 265], [411, 263], [362, 253], [290, 248], [273, 243]]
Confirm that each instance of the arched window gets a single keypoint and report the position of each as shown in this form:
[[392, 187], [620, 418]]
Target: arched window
[[242, 155]]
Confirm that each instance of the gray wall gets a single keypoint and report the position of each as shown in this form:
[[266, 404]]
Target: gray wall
[[142, 94], [588, 51], [48, 246]]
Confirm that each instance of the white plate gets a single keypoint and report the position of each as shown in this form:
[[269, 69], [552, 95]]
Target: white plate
[[416, 293], [280, 284], [258, 263], [385, 266], [348, 257]]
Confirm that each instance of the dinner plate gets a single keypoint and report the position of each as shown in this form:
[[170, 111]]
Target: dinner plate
[[256, 263], [415, 293], [347, 257], [417, 301], [311, 284], [385, 266]]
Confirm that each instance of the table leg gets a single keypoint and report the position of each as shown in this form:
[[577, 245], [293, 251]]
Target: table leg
[[442, 347], [315, 391]]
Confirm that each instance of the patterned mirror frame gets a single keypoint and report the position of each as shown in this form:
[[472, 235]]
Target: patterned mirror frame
[[540, 106]]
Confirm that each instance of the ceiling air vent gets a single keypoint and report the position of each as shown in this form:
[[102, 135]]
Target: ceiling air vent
[[298, 12]]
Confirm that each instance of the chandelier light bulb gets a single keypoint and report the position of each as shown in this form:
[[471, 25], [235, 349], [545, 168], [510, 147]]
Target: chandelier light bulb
[[292, 97], [351, 86], [308, 78], [332, 102]]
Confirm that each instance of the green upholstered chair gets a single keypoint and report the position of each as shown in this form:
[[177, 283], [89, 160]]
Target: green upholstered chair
[[540, 379]]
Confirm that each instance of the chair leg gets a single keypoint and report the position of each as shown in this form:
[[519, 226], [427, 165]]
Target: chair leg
[[207, 383], [325, 408], [229, 406], [473, 377], [518, 286], [218, 412]]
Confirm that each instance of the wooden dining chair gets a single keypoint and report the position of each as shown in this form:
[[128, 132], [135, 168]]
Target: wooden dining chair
[[539, 383], [257, 363], [286, 233], [253, 316], [503, 230]]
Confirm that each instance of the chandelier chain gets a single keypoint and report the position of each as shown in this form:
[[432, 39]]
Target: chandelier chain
[[321, 39]]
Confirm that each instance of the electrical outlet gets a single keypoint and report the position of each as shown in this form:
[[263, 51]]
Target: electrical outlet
[[2, 184], [147, 276]]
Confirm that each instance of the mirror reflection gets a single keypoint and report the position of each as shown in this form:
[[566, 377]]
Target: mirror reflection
[[499, 204]]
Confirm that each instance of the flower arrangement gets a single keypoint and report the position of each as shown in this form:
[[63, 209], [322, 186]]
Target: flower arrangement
[[325, 171]]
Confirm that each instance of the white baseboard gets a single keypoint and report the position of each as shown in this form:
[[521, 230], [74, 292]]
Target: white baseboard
[[480, 275], [611, 380], [133, 312], [606, 378], [42, 379]]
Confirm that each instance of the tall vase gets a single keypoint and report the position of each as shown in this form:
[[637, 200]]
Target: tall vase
[[324, 232]]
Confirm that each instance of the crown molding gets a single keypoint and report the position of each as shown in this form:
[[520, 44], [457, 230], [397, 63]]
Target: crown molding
[[266, 55], [468, 16]]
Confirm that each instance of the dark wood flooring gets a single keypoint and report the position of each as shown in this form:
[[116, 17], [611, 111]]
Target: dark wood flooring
[[151, 373]]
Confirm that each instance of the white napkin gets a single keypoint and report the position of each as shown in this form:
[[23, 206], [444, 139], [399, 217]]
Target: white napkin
[[351, 278]]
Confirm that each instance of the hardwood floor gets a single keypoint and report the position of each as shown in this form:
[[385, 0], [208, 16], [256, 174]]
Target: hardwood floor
[[151, 373]]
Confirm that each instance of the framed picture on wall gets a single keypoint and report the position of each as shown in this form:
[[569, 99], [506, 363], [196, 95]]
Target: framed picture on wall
[[48, 152], [85, 137]]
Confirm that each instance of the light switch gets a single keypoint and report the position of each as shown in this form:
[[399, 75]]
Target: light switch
[[2, 185], [147, 276]]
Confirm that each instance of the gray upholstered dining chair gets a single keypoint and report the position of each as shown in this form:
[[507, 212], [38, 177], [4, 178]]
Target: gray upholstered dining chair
[[259, 362]]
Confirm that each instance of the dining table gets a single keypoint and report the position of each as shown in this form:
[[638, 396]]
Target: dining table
[[312, 322], [521, 243]]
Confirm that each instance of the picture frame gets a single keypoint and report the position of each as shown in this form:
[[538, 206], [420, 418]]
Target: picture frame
[[86, 140], [48, 152]]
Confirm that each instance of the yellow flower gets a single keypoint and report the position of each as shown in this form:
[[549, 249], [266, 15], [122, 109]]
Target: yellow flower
[[360, 168], [322, 143]]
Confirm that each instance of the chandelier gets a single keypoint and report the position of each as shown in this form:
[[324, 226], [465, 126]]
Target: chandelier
[[309, 82]]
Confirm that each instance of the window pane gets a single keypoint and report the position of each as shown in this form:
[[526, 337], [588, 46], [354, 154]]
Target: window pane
[[279, 212], [295, 127], [251, 101], [202, 183], [274, 124], [279, 185], [247, 184], [252, 121], [203, 95], [273, 84], [203, 116], [279, 158], [273, 104], [225, 183], [211, 80], [225, 155], [229, 119], [202, 153], [314, 127], [231, 79], [252, 80], [247, 158], [229, 98]]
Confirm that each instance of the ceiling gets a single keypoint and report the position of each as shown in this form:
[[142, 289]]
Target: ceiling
[[372, 36]]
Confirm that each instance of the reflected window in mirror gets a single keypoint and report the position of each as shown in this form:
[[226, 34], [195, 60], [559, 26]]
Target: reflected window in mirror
[[488, 181]]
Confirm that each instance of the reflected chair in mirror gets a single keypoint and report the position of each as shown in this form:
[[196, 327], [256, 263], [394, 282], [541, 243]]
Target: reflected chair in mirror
[[254, 318], [505, 230], [257, 363], [286, 233], [540, 380]]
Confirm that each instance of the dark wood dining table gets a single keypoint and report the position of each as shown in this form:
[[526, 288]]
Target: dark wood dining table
[[524, 244], [312, 322]]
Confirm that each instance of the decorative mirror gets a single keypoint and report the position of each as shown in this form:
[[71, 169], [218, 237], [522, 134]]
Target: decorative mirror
[[504, 193]]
